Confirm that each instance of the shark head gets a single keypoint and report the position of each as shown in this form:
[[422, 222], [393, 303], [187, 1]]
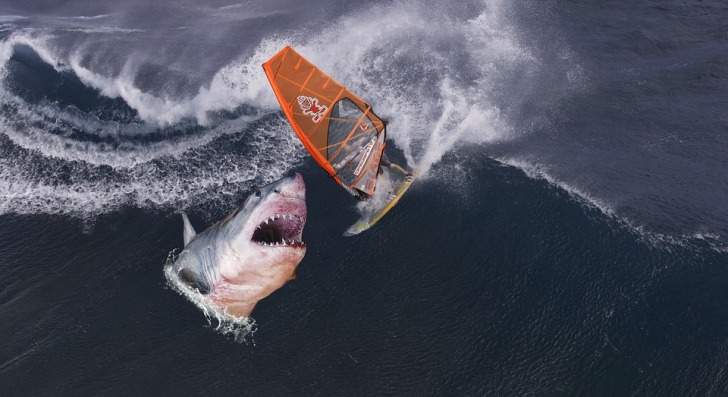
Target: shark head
[[249, 254]]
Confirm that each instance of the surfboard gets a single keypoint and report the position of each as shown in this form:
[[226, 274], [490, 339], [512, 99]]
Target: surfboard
[[368, 221]]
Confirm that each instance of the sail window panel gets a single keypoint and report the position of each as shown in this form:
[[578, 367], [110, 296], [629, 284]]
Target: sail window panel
[[349, 136], [344, 118], [335, 125]]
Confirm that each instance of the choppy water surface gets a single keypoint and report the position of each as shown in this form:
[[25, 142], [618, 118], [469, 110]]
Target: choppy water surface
[[567, 236]]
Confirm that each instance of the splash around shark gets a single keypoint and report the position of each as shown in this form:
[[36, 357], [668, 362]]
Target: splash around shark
[[243, 258]]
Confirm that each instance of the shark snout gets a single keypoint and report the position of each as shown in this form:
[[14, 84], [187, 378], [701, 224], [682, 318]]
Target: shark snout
[[292, 187]]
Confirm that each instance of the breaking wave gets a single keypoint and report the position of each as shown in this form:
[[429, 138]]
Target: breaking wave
[[96, 116], [439, 91], [142, 132], [127, 147], [696, 240]]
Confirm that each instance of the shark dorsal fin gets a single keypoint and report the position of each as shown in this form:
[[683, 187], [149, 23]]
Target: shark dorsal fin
[[189, 231]]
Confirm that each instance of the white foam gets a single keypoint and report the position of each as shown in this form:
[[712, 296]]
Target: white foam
[[175, 180], [86, 178], [581, 195], [35, 40], [240, 82], [440, 79], [714, 239], [432, 108], [437, 88], [22, 129], [86, 17], [385, 185], [101, 29], [11, 18]]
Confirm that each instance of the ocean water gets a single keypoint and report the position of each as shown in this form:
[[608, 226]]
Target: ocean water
[[568, 234]]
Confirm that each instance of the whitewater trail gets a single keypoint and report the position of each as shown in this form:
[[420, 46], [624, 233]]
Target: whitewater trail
[[437, 96]]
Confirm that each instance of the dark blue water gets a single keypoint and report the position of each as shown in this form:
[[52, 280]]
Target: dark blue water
[[567, 236]]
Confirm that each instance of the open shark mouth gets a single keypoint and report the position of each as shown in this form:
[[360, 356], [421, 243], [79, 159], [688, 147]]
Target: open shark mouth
[[280, 230]]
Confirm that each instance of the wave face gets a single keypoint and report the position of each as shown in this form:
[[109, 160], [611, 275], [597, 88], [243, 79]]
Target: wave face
[[100, 113], [498, 273], [113, 109], [104, 106]]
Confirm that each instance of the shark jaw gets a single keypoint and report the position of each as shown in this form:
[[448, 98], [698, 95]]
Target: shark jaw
[[280, 230], [242, 259]]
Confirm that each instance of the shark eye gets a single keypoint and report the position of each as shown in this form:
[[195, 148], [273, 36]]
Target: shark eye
[[258, 194]]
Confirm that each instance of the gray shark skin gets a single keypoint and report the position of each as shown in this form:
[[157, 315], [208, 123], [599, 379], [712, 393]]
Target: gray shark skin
[[249, 254]]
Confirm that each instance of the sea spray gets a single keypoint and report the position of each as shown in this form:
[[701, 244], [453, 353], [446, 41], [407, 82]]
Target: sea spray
[[242, 330]]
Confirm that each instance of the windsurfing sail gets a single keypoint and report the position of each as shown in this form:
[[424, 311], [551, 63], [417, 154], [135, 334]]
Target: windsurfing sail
[[337, 127]]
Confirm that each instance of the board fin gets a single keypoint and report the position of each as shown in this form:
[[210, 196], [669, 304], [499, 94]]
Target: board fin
[[189, 231]]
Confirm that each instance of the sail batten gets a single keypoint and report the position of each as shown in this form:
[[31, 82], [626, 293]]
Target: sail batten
[[337, 127]]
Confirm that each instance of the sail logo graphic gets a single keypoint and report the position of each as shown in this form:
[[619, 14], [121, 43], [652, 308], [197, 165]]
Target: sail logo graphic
[[367, 152], [310, 107]]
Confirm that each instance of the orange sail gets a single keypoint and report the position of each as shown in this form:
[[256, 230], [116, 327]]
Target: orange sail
[[337, 127]]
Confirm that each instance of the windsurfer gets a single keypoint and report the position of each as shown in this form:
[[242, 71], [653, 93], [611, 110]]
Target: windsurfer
[[339, 129], [392, 166], [385, 160]]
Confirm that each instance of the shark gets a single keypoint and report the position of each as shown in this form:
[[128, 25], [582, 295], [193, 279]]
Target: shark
[[249, 254]]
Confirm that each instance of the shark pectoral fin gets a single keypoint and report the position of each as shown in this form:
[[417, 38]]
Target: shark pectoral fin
[[189, 231]]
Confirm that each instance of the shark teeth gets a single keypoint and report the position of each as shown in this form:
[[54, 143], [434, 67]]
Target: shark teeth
[[286, 216], [280, 230], [285, 243], [274, 217]]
